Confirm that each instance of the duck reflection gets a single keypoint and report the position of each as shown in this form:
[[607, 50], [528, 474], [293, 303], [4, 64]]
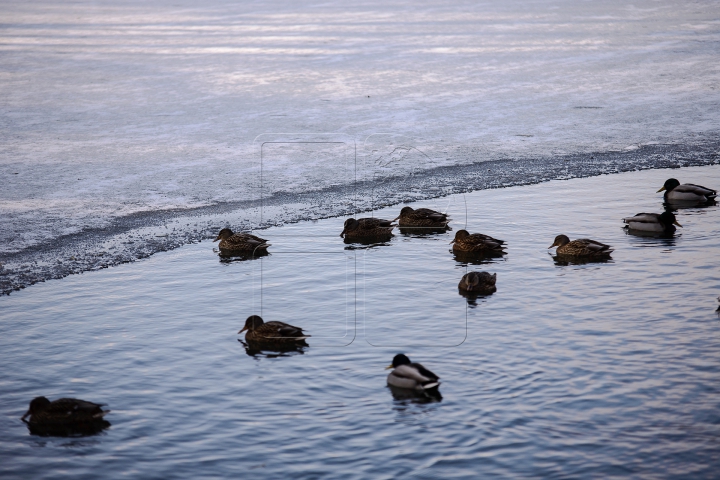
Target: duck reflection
[[472, 258], [422, 232], [662, 239], [261, 351], [676, 205], [564, 260], [240, 257]]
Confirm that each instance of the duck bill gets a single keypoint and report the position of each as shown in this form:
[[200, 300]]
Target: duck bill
[[389, 367], [396, 218], [218, 238], [244, 328], [663, 188], [25, 416], [677, 223], [342, 234], [551, 246], [452, 242]]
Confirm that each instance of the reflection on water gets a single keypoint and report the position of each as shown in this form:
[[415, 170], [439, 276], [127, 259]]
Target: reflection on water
[[565, 260], [587, 370], [253, 350], [404, 396]]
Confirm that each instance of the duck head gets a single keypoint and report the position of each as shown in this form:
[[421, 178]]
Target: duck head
[[403, 212], [560, 240], [37, 404], [252, 322], [350, 224], [399, 359], [668, 218], [670, 183], [460, 234], [224, 233]]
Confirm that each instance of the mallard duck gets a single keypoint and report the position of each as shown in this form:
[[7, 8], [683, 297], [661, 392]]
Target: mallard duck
[[582, 247], [480, 283], [241, 242], [412, 376], [65, 417], [423, 218], [272, 333], [652, 222], [687, 192], [476, 243], [367, 229]]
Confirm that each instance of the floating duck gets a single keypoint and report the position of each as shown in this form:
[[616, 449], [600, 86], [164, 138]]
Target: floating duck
[[65, 417], [241, 243], [652, 222], [411, 376], [582, 247], [423, 218], [478, 283], [366, 229], [687, 192], [273, 333], [466, 242]]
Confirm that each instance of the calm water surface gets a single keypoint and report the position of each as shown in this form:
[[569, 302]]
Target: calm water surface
[[597, 370]]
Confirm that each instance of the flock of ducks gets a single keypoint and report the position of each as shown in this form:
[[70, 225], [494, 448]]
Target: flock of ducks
[[69, 416]]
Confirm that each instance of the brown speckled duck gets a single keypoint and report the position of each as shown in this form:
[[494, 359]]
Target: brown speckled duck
[[241, 243], [273, 333], [478, 283], [422, 218], [367, 229], [582, 247], [466, 242], [65, 417]]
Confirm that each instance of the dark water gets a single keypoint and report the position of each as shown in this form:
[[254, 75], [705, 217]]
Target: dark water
[[596, 370]]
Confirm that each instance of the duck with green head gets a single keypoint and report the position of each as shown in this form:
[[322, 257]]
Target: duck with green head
[[686, 193], [652, 222], [412, 376]]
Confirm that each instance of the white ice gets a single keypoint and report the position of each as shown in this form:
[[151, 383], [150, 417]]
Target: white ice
[[108, 108]]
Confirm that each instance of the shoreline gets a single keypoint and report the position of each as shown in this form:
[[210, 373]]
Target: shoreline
[[140, 235]]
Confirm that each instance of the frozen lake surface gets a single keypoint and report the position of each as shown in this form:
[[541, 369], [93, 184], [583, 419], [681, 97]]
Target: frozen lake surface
[[118, 119], [600, 370]]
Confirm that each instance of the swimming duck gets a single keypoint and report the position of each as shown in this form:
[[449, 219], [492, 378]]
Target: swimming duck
[[582, 247], [272, 333], [367, 229], [652, 222], [409, 375], [422, 217], [480, 283], [687, 192], [65, 417], [241, 242], [466, 242]]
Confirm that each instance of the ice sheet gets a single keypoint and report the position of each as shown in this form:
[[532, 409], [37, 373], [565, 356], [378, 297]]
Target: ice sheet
[[111, 110]]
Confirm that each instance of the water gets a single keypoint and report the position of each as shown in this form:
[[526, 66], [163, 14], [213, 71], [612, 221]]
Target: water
[[597, 370]]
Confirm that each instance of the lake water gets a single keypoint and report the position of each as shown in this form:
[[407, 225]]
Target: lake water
[[596, 370]]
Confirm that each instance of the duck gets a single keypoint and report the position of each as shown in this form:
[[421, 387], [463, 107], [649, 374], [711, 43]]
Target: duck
[[687, 192], [652, 222], [241, 242], [423, 218], [367, 229], [65, 417], [466, 242], [411, 376], [480, 283], [273, 333], [582, 247]]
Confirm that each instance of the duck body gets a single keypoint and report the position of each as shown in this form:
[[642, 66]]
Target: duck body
[[411, 376], [273, 333], [65, 417], [686, 192], [244, 243], [479, 283], [652, 222], [466, 242], [367, 229], [422, 218], [582, 247]]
